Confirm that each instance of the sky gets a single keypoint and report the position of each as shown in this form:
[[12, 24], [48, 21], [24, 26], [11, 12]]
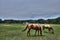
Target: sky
[[29, 9]]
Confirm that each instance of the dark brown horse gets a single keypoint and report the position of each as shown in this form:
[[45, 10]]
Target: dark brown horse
[[49, 27], [36, 27]]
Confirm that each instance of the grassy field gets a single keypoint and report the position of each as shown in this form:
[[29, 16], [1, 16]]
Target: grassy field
[[13, 32]]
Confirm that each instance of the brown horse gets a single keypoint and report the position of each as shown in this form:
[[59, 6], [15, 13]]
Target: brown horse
[[36, 27], [49, 27]]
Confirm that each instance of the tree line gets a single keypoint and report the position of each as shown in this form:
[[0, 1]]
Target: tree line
[[42, 21]]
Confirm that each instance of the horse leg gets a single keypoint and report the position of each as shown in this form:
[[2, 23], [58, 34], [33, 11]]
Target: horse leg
[[49, 29], [38, 32], [28, 32], [43, 27], [35, 32]]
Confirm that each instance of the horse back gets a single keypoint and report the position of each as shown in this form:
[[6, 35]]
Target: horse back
[[48, 26], [34, 26]]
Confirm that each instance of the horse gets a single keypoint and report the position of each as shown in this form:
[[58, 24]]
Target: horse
[[49, 27], [35, 27]]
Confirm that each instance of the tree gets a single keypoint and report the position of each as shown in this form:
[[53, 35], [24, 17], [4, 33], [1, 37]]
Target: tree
[[0, 20]]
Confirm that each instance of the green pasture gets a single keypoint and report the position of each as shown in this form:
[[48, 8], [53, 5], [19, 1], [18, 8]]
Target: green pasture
[[14, 32]]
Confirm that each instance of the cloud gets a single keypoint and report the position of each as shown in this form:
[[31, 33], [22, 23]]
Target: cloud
[[25, 9]]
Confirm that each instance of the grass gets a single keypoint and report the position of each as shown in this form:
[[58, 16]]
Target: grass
[[14, 32]]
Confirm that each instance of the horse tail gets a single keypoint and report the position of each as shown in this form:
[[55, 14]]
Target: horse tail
[[25, 28]]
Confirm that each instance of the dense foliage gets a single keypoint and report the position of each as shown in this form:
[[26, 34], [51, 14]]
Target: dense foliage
[[50, 21]]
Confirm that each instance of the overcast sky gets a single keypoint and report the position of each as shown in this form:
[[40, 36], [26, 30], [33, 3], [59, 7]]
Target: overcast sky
[[29, 9]]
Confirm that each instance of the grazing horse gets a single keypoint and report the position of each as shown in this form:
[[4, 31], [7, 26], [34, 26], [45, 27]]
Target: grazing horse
[[49, 27], [36, 27]]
